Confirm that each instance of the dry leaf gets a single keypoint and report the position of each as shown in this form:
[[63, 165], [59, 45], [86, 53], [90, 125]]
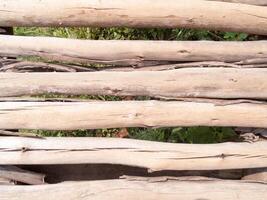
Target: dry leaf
[[123, 133]]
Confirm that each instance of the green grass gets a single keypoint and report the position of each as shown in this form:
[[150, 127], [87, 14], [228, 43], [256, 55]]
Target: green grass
[[194, 135], [180, 135], [133, 34]]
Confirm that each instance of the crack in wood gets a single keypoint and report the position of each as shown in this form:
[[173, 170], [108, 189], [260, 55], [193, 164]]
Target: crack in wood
[[222, 156]]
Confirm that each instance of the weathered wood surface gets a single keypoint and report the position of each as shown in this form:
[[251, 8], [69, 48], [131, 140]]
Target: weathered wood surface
[[11, 65], [225, 83], [151, 13], [152, 155], [132, 190], [257, 175], [4, 181], [19, 175], [118, 52], [252, 2], [17, 134], [93, 115]]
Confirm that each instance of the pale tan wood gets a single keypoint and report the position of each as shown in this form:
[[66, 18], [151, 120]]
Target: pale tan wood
[[152, 155], [92, 115], [16, 174], [226, 83], [4, 181], [135, 13], [257, 175], [132, 190], [132, 52], [252, 2]]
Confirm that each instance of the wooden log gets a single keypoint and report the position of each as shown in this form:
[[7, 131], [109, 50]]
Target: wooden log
[[151, 13], [118, 52], [218, 83], [4, 181], [19, 175], [93, 115], [7, 65], [256, 175], [17, 134], [18, 66], [154, 156], [132, 190], [252, 2]]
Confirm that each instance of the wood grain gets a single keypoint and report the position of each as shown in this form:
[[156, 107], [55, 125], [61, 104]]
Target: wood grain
[[11, 65], [151, 13], [217, 83], [93, 115], [19, 175], [119, 53], [132, 190], [152, 155]]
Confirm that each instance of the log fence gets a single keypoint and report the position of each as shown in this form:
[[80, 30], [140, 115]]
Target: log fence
[[185, 83]]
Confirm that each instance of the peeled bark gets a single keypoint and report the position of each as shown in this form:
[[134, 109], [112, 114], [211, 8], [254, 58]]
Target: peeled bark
[[132, 190], [118, 52], [152, 155], [217, 83], [136, 13]]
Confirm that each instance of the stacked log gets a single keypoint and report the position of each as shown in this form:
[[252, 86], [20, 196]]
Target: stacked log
[[186, 83], [210, 15]]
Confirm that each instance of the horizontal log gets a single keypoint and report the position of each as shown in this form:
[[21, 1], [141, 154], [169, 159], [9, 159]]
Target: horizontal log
[[11, 65], [7, 65], [132, 190], [252, 2], [93, 115], [18, 66], [19, 175], [154, 156], [151, 13], [225, 83], [118, 52]]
